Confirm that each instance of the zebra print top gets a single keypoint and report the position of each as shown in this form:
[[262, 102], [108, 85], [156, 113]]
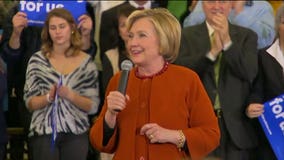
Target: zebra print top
[[40, 76]]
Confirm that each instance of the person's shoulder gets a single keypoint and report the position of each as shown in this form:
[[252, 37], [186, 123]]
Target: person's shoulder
[[264, 53], [242, 30], [182, 71], [86, 61], [194, 27], [191, 32], [37, 56], [84, 56], [272, 45], [182, 75]]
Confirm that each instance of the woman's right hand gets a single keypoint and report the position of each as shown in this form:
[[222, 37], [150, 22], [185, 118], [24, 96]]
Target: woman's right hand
[[52, 93], [20, 21], [116, 102]]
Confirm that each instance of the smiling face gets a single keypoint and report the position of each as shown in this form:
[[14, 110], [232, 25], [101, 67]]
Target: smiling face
[[59, 31], [143, 43], [211, 8]]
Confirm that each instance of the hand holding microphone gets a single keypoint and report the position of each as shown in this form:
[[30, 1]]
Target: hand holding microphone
[[126, 66]]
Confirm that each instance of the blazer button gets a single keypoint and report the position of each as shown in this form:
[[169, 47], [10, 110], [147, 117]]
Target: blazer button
[[143, 105]]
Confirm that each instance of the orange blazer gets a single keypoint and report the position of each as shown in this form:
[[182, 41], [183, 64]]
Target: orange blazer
[[175, 99]]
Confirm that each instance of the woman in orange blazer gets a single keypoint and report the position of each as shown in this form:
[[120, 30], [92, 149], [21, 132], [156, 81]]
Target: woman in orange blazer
[[166, 113]]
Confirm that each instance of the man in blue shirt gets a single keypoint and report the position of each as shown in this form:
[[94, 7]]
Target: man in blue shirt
[[255, 15]]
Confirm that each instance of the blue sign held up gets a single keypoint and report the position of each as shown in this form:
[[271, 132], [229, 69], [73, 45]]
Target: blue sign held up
[[37, 10], [272, 122]]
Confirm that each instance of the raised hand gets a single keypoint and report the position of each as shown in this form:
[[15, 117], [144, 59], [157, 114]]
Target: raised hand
[[221, 26], [216, 45], [19, 21], [85, 25]]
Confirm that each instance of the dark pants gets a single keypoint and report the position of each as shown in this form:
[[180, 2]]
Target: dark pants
[[227, 150], [2, 151], [263, 150], [18, 116], [67, 146]]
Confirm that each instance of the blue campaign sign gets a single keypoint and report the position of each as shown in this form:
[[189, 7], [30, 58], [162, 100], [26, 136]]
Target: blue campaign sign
[[272, 122], [37, 10]]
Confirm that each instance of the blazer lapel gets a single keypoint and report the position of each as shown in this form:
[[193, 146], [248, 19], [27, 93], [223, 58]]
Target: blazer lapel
[[203, 38]]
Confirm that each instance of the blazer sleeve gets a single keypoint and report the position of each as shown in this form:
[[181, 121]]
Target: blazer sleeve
[[203, 134], [96, 133], [241, 57]]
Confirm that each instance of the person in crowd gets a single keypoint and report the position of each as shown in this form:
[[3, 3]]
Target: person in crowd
[[156, 119], [4, 8], [3, 92], [19, 43], [109, 21], [61, 89], [98, 8], [225, 57], [113, 57], [108, 33], [269, 83], [256, 15]]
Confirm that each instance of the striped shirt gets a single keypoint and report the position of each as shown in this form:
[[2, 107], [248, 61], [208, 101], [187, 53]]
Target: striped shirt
[[40, 76]]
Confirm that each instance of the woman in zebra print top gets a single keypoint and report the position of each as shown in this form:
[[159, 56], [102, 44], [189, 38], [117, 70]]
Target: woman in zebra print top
[[61, 90]]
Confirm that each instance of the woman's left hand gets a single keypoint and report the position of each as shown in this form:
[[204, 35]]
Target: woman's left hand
[[254, 110], [65, 92], [158, 134]]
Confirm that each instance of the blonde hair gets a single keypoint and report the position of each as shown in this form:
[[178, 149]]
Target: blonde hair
[[47, 43], [167, 27]]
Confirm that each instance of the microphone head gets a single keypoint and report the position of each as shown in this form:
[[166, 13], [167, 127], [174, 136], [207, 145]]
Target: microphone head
[[126, 65]]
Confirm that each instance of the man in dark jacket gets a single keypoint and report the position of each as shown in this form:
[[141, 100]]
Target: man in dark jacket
[[225, 57]]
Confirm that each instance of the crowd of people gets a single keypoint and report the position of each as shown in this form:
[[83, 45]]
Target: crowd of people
[[199, 79]]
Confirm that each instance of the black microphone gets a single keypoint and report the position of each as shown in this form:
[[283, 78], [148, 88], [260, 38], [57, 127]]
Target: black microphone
[[126, 66]]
